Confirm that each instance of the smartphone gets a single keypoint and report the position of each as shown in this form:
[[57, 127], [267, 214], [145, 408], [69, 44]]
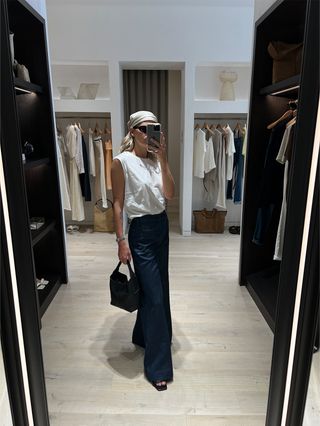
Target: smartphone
[[153, 132]]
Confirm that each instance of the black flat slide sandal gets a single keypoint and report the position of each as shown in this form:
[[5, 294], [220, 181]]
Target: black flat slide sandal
[[159, 386]]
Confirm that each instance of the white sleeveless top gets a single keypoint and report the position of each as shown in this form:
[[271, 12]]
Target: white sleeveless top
[[143, 185]]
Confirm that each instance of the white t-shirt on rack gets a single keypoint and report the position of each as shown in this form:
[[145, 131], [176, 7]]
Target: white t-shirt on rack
[[199, 150], [143, 185]]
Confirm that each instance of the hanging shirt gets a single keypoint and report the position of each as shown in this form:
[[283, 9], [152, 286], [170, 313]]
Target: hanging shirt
[[92, 165], [85, 177], [100, 183], [199, 150], [143, 185], [245, 139], [283, 157], [75, 189], [63, 174], [209, 160], [230, 150], [215, 181], [79, 151]]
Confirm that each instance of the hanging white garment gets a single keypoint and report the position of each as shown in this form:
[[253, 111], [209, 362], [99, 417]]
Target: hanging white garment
[[282, 158], [220, 181], [79, 152], [75, 189], [63, 174], [215, 181], [199, 150], [230, 150], [92, 164], [209, 160], [100, 184]]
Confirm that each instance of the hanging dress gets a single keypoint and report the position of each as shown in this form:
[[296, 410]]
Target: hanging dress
[[63, 174], [100, 184], [107, 162], [75, 189]]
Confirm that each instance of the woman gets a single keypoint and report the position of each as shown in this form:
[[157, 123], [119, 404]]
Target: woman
[[141, 182]]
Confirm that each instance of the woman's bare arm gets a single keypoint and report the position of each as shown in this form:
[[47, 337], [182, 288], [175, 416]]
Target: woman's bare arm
[[118, 185]]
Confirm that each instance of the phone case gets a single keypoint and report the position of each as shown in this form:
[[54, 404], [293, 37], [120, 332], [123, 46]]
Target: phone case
[[153, 133]]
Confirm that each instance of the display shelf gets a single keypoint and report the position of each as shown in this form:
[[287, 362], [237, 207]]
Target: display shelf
[[29, 164], [47, 294], [285, 88], [38, 234], [81, 105], [263, 287], [215, 106], [22, 87]]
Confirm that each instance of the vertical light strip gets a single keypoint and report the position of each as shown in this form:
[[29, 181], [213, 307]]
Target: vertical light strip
[[15, 292], [304, 246]]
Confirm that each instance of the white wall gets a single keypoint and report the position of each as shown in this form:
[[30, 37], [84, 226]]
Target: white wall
[[174, 128], [177, 33]]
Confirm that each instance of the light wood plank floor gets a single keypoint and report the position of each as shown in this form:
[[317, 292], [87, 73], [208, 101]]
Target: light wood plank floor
[[221, 350]]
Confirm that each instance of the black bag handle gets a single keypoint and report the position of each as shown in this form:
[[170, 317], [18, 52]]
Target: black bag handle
[[129, 267]]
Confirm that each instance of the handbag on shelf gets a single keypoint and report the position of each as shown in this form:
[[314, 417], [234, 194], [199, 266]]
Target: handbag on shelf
[[287, 59], [124, 292], [103, 217], [22, 72]]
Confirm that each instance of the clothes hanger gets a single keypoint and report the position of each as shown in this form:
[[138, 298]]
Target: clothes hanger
[[81, 129], [97, 129], [293, 120], [196, 126], [284, 116], [208, 128], [212, 127], [106, 129]]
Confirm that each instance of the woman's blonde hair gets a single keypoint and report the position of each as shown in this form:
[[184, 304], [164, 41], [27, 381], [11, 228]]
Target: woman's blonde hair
[[127, 143]]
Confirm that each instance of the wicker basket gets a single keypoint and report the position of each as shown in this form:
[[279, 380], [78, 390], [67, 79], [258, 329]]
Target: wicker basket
[[209, 221]]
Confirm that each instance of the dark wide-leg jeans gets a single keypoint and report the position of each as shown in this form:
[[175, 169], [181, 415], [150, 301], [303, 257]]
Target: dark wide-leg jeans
[[149, 245]]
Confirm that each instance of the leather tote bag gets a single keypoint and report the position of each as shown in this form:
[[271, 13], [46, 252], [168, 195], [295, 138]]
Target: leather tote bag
[[286, 59], [124, 292]]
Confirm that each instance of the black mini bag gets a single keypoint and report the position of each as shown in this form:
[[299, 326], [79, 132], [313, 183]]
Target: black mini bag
[[124, 293]]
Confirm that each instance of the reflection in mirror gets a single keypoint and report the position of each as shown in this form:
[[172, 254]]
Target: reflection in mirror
[[6, 419]]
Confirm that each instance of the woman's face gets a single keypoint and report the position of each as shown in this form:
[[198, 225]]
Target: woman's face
[[140, 135]]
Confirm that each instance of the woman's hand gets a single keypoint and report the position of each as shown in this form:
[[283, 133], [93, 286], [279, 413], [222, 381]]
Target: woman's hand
[[124, 252]]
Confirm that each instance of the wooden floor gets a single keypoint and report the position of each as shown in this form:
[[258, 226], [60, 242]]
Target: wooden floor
[[221, 350]]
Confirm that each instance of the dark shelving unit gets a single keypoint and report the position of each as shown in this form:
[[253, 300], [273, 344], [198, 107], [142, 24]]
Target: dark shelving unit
[[285, 88], [29, 164], [34, 121], [272, 284], [47, 294], [263, 287], [32, 187], [38, 234]]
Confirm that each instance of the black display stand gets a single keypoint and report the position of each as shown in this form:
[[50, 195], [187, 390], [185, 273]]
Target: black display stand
[[32, 188], [272, 284]]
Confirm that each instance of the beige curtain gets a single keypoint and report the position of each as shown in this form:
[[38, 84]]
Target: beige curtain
[[146, 90]]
